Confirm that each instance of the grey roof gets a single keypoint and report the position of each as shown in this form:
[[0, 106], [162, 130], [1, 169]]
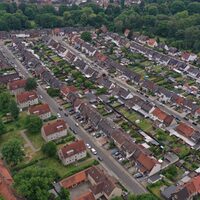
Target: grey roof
[[167, 192]]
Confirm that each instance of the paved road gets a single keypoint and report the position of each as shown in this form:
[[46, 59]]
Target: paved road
[[108, 162], [123, 84]]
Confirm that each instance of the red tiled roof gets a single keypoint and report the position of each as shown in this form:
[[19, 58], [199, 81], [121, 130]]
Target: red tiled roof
[[13, 85], [159, 114], [103, 183], [185, 130], [86, 196], [39, 109], [54, 127], [5, 183], [151, 42], [73, 180], [100, 56], [65, 90], [73, 148], [185, 55], [26, 96], [147, 162]]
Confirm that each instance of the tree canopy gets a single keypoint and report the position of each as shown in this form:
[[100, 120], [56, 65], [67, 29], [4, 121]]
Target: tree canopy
[[177, 22], [14, 110], [12, 151], [34, 183], [31, 84], [33, 124], [49, 149], [86, 36]]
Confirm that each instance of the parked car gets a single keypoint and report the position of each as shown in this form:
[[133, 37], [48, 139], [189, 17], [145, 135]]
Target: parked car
[[99, 158], [98, 135], [93, 151], [138, 175], [77, 124], [66, 114], [58, 115], [88, 146]]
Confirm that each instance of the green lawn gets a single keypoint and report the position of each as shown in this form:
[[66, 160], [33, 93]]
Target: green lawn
[[146, 125], [64, 171], [36, 139]]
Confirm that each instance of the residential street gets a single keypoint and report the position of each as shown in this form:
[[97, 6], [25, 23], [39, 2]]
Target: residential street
[[114, 167]]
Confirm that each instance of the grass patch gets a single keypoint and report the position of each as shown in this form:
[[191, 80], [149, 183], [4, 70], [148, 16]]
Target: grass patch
[[36, 140]]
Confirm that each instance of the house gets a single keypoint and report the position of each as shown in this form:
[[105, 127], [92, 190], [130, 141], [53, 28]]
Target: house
[[54, 130], [26, 99], [102, 184], [41, 110], [17, 86], [166, 192], [185, 130], [126, 32], [70, 56], [142, 39], [6, 182], [162, 117], [164, 95], [147, 165], [172, 51], [103, 81], [6, 78], [74, 180], [107, 126], [88, 49], [73, 152], [125, 94], [152, 43], [188, 57], [65, 90], [86, 196], [187, 133], [188, 191]]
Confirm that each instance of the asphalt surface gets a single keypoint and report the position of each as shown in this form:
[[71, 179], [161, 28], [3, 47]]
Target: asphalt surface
[[108, 162]]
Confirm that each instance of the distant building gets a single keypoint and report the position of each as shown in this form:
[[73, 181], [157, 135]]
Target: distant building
[[26, 99], [17, 86], [54, 130], [73, 152], [41, 110]]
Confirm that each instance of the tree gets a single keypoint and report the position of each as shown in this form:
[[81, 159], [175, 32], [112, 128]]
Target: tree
[[64, 194], [2, 128], [53, 92], [4, 102], [49, 149], [31, 84], [12, 151], [14, 110], [33, 183], [86, 36], [33, 124]]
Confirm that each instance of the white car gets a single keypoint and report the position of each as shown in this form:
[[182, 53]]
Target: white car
[[88, 146], [58, 115], [93, 151], [77, 124]]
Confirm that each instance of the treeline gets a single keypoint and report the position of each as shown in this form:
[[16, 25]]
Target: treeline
[[177, 22]]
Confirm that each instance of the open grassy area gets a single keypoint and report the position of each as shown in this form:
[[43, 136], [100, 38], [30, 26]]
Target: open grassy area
[[63, 171], [36, 139]]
